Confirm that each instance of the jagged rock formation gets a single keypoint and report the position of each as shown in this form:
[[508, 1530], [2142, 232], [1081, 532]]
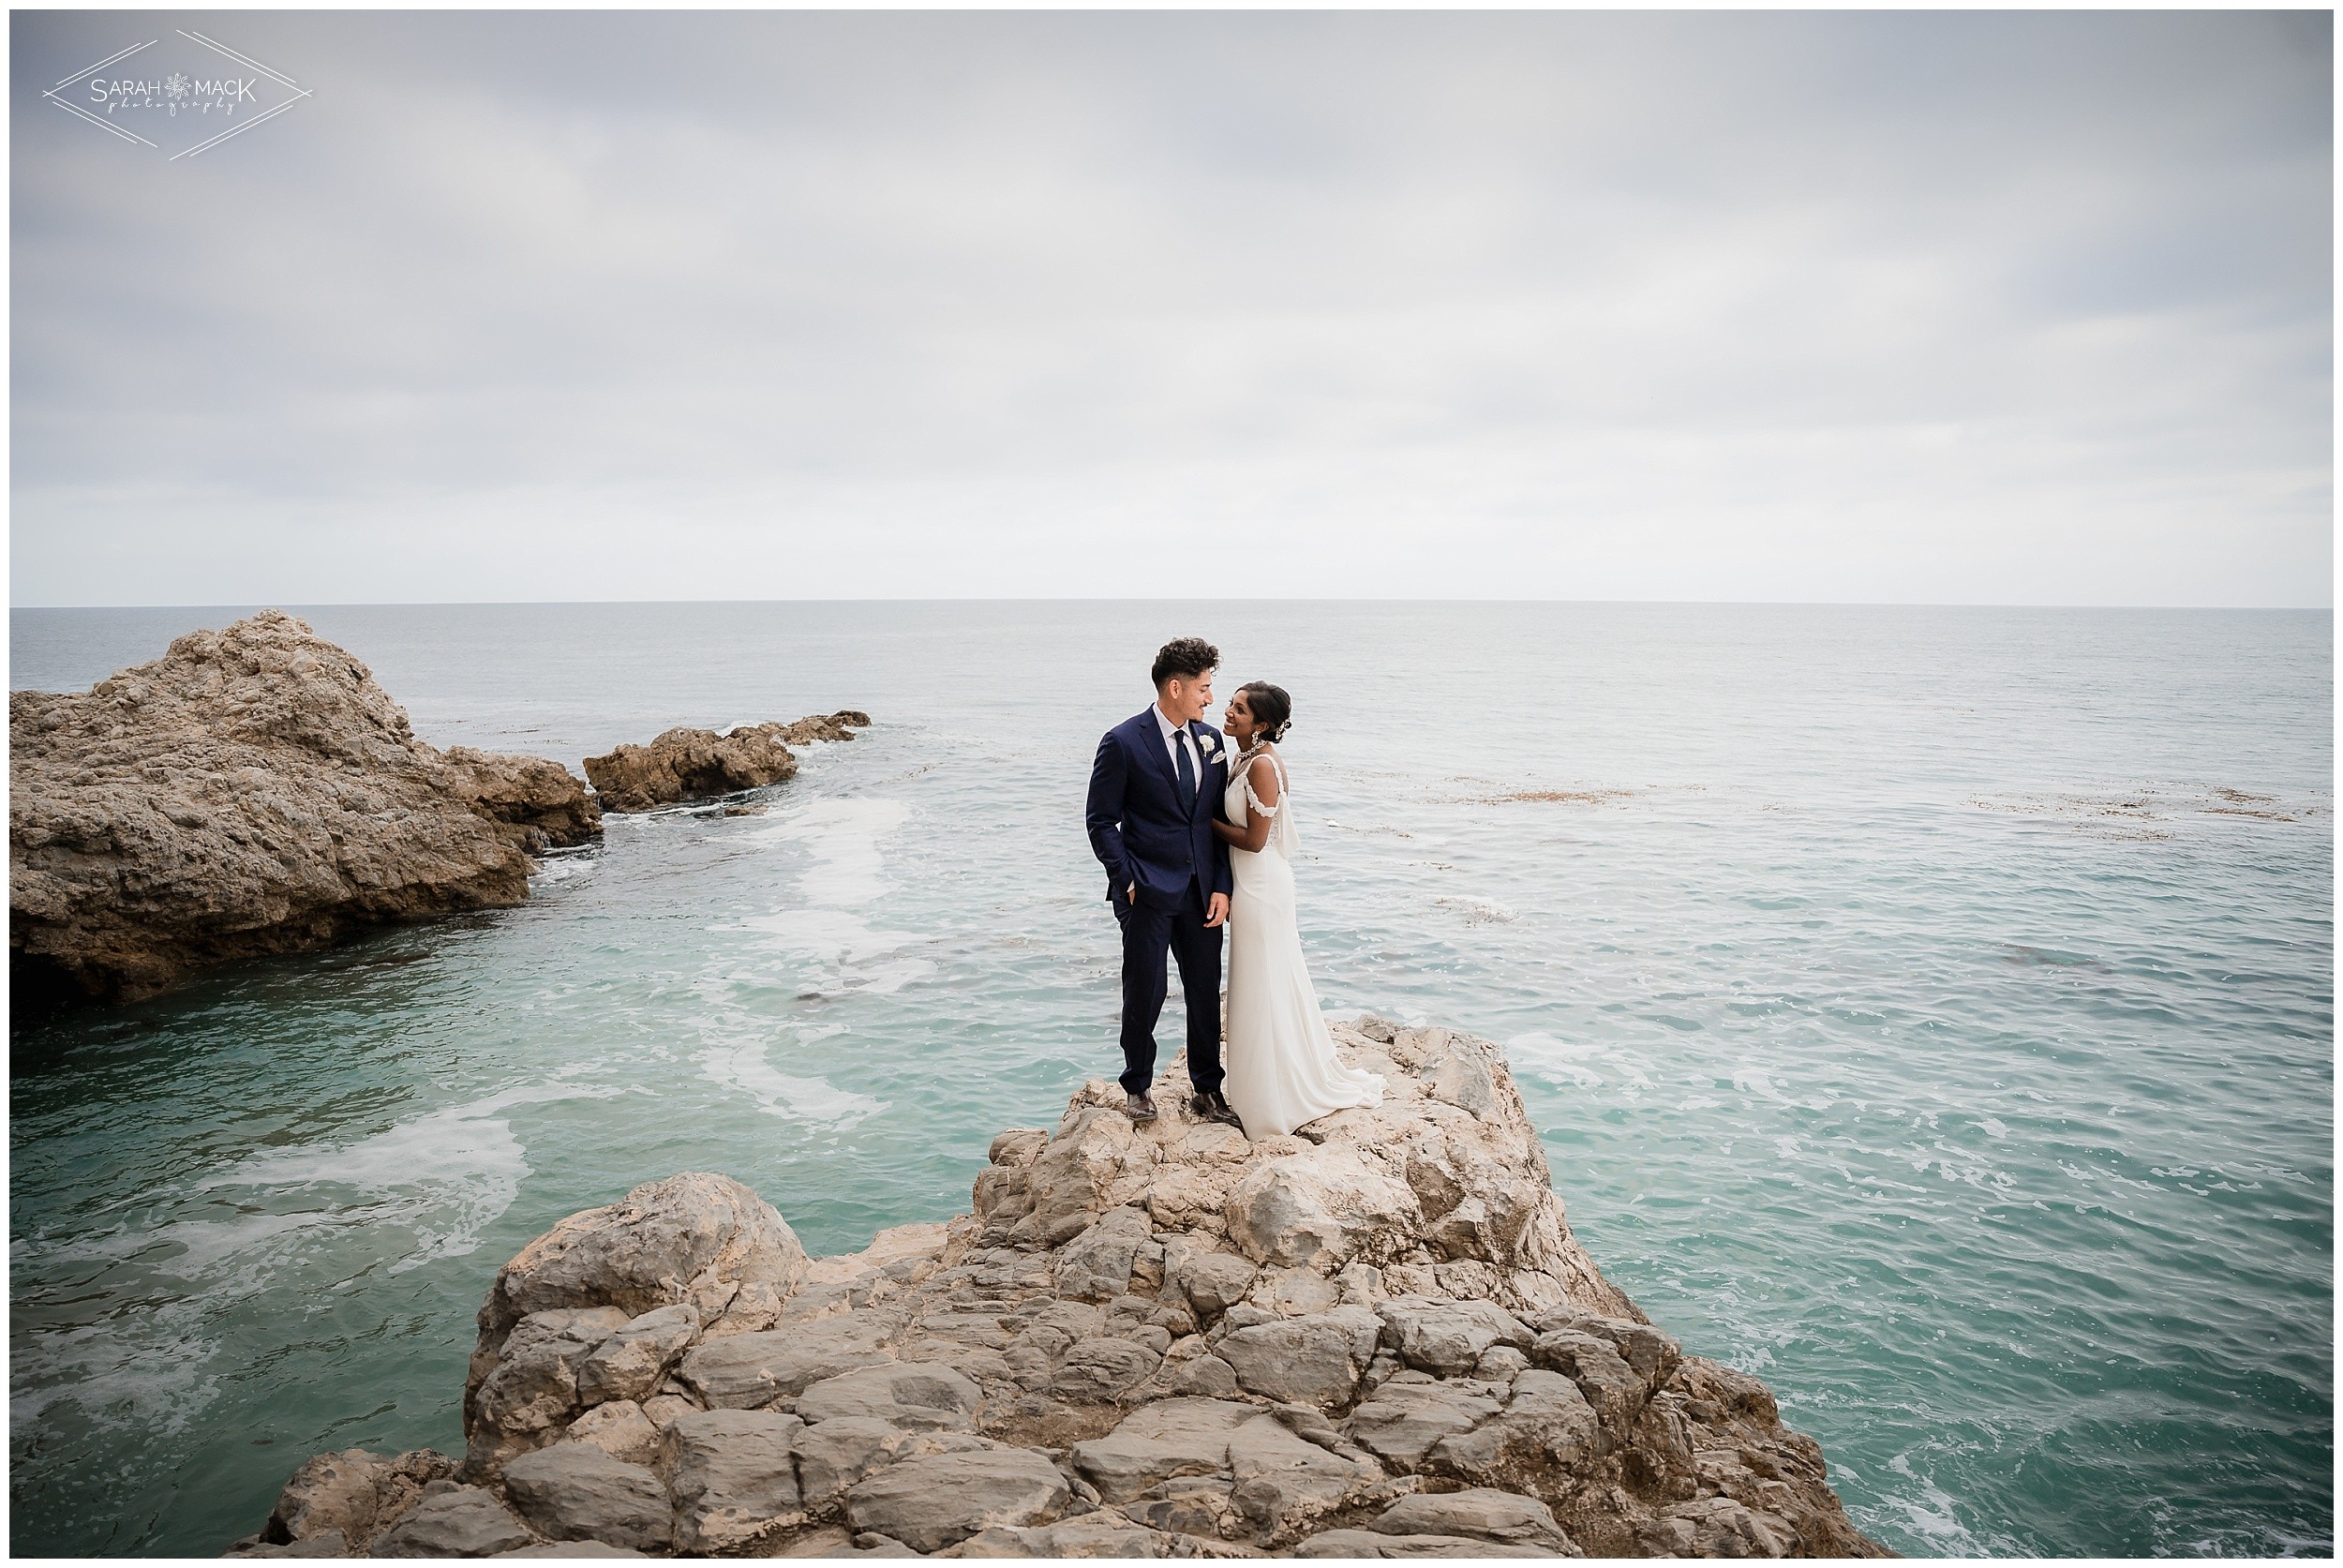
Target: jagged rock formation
[[252, 791], [699, 764], [536, 795], [1375, 1338]]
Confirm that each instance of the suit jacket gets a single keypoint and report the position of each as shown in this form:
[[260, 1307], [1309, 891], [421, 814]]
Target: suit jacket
[[1141, 829]]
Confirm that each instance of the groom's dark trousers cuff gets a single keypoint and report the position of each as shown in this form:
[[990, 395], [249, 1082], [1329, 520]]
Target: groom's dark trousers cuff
[[1148, 934]]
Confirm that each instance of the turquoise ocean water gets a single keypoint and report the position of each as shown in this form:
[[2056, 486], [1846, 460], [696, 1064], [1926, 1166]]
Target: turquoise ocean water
[[1926, 1010]]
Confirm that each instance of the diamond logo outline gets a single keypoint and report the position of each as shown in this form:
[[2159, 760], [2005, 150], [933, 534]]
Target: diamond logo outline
[[53, 94]]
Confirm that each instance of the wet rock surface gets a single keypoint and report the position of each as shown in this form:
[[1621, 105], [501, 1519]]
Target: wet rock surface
[[252, 791], [684, 764], [1375, 1339]]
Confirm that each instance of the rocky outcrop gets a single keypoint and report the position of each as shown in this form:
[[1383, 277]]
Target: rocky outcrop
[[700, 764], [348, 1499], [252, 791], [1374, 1339], [537, 796]]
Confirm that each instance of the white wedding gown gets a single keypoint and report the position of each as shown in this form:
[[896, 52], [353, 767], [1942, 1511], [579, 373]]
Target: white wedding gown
[[1282, 1070]]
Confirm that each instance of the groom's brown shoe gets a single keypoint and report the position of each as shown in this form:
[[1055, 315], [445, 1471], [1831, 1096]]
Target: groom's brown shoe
[[1141, 1107], [1210, 1106]]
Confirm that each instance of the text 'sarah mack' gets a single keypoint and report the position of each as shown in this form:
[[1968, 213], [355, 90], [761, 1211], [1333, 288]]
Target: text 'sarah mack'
[[174, 94], [1377, 1338]]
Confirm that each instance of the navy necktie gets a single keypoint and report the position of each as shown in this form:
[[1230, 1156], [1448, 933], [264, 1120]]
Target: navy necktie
[[1188, 769]]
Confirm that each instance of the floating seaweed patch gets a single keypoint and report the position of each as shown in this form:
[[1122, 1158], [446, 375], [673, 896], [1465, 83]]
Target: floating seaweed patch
[[2265, 808], [2143, 812], [1556, 796], [1478, 912], [1376, 829]]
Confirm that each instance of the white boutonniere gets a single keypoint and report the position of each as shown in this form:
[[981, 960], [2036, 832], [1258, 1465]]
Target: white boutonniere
[[1211, 744]]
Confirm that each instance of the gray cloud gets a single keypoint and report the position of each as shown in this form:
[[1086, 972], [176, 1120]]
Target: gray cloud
[[1972, 306]]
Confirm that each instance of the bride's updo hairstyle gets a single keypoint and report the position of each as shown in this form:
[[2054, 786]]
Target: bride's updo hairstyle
[[1272, 709]]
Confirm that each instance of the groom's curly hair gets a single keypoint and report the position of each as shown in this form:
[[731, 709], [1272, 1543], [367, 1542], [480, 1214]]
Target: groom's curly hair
[[1183, 657]]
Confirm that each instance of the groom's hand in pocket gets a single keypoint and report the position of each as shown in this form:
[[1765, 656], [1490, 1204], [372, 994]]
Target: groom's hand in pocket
[[1216, 910]]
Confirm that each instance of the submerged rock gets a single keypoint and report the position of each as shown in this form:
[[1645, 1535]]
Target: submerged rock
[[686, 764], [252, 791], [1159, 1341]]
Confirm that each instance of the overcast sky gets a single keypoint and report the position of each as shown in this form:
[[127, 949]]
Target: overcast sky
[[1981, 307]]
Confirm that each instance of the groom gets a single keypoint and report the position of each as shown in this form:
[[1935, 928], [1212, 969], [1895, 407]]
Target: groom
[[1154, 790]]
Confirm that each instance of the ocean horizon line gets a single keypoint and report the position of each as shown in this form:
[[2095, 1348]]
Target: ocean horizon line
[[1293, 599]]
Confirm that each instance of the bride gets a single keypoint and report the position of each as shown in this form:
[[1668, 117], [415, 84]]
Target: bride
[[1282, 1070]]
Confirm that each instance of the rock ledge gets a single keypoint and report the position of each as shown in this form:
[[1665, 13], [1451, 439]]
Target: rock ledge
[[1375, 1338]]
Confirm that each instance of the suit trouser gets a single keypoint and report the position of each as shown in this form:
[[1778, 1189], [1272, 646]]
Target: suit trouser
[[1147, 932]]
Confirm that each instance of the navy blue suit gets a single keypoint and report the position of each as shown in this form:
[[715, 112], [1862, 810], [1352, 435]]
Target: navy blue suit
[[1148, 837]]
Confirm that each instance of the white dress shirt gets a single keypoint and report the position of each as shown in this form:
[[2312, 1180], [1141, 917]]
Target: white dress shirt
[[1174, 738]]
